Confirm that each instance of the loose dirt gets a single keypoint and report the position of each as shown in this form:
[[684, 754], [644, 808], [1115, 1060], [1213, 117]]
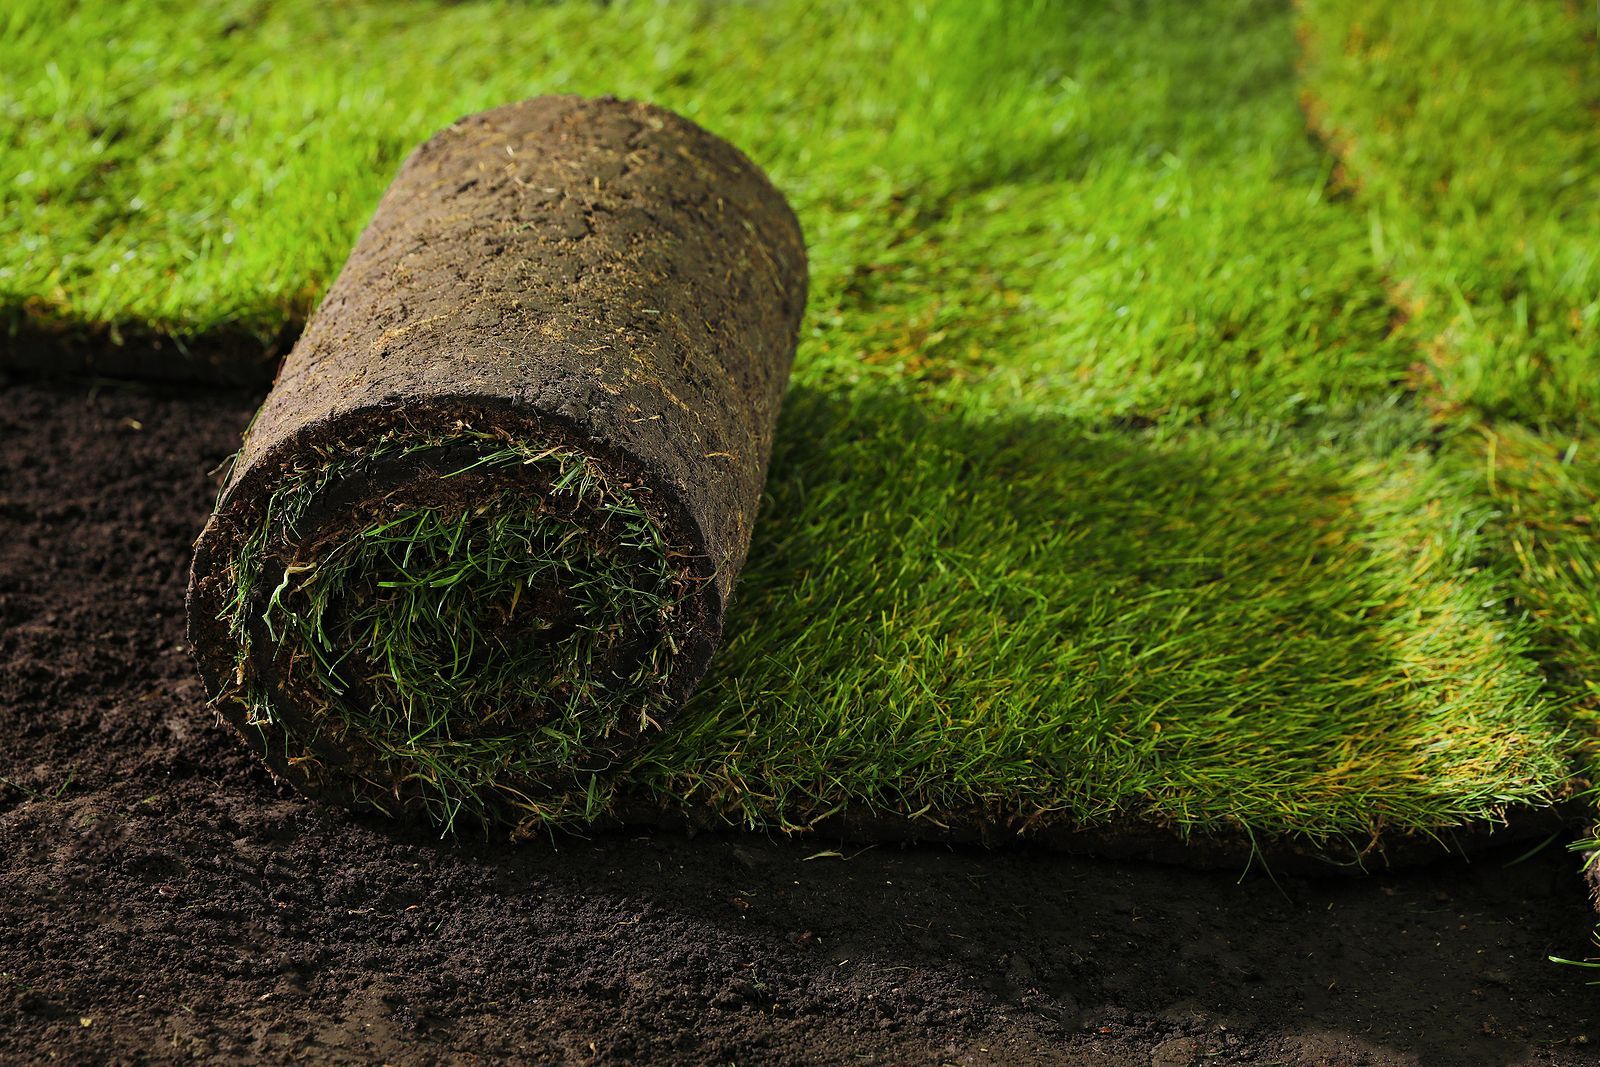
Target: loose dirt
[[162, 899]]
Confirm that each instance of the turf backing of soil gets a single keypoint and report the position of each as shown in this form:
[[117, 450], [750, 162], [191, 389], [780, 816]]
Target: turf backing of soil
[[166, 900]]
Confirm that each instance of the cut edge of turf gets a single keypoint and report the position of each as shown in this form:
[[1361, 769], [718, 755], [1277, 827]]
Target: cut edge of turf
[[139, 351], [1132, 837]]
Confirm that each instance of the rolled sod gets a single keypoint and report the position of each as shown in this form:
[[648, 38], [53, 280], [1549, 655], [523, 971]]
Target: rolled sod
[[480, 538]]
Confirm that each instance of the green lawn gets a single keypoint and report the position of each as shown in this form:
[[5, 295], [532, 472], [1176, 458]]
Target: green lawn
[[1144, 456]]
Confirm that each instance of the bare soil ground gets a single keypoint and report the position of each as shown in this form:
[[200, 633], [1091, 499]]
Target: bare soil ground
[[162, 899]]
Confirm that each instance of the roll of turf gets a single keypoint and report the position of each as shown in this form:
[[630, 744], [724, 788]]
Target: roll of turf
[[479, 540]]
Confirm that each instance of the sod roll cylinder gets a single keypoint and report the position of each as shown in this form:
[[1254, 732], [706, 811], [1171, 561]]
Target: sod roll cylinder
[[479, 540]]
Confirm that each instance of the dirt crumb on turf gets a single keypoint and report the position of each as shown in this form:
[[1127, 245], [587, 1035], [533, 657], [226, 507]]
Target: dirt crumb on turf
[[165, 900]]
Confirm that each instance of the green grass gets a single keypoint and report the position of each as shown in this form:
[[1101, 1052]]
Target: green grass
[[1471, 140], [1470, 135], [1543, 490], [1138, 457], [1065, 621]]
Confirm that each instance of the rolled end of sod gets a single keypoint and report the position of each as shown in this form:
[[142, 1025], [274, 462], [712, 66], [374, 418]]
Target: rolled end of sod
[[479, 540]]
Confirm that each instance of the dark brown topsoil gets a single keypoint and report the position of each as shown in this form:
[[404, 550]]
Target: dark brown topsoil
[[161, 898]]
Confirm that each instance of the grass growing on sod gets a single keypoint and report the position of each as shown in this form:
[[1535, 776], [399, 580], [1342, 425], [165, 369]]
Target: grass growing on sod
[[1469, 135], [1102, 488], [1544, 492], [409, 627]]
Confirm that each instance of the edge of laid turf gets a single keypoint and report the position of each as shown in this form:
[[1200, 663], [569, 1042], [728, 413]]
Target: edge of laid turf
[[138, 353], [1135, 838]]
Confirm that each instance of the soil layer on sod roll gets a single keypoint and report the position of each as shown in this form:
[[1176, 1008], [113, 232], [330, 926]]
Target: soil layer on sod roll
[[481, 535]]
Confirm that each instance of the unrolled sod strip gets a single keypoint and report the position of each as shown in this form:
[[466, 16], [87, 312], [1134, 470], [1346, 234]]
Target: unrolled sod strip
[[480, 538]]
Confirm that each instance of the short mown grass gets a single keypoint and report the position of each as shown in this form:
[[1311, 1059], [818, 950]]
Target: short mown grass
[[1470, 140], [1144, 457], [1469, 135]]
